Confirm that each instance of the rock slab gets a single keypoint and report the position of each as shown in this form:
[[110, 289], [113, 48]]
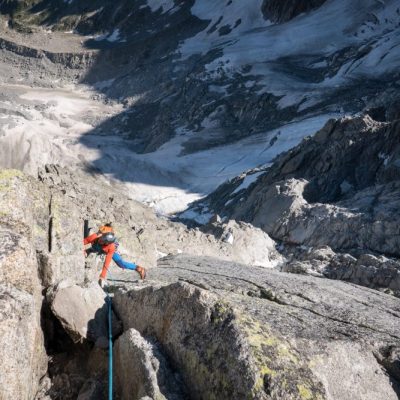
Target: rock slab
[[235, 332]]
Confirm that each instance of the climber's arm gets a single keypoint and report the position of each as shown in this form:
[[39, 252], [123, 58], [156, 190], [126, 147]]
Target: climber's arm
[[90, 239]]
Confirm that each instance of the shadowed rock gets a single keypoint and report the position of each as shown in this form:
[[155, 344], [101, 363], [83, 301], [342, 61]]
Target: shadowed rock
[[285, 10]]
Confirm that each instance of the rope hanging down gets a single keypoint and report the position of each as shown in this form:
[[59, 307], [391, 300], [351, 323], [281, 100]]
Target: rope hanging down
[[110, 349], [110, 342]]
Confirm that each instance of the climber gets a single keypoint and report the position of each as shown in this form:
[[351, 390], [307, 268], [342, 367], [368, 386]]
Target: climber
[[104, 242]]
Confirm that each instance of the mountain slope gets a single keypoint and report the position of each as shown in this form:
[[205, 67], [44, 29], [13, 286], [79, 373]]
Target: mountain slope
[[200, 90]]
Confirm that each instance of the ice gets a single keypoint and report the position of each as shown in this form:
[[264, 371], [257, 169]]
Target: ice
[[115, 36], [219, 89], [166, 5], [98, 38], [290, 99], [384, 157], [200, 176], [247, 181], [200, 218]]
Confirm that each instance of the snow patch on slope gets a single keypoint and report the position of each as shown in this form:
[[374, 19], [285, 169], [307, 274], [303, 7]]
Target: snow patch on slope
[[247, 181], [249, 40], [52, 126], [166, 5], [114, 36]]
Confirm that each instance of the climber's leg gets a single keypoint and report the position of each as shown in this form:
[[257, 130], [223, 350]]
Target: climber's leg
[[122, 263]]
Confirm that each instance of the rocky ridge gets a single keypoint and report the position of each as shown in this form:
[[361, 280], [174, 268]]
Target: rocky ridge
[[338, 188], [190, 322], [42, 226], [145, 236], [216, 327]]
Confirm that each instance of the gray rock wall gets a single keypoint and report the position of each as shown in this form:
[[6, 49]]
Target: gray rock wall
[[22, 354], [23, 357], [41, 244]]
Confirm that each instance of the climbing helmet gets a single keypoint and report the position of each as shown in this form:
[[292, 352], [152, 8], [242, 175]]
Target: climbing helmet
[[107, 238]]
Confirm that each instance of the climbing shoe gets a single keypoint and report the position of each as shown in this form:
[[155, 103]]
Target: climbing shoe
[[141, 271]]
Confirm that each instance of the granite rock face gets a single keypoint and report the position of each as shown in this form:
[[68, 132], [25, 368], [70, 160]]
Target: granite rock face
[[142, 370], [219, 329], [41, 235], [41, 227], [235, 332], [22, 353], [23, 356]]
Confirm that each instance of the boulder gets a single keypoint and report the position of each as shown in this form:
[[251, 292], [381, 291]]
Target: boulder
[[377, 272], [244, 243], [82, 311]]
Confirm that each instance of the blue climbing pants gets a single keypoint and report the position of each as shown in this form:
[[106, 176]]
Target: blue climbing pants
[[122, 263]]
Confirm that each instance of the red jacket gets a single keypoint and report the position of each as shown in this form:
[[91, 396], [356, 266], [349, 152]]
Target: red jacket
[[108, 249]]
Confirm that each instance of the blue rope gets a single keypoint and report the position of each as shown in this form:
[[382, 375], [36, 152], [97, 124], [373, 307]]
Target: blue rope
[[110, 350], [110, 344], [110, 347]]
